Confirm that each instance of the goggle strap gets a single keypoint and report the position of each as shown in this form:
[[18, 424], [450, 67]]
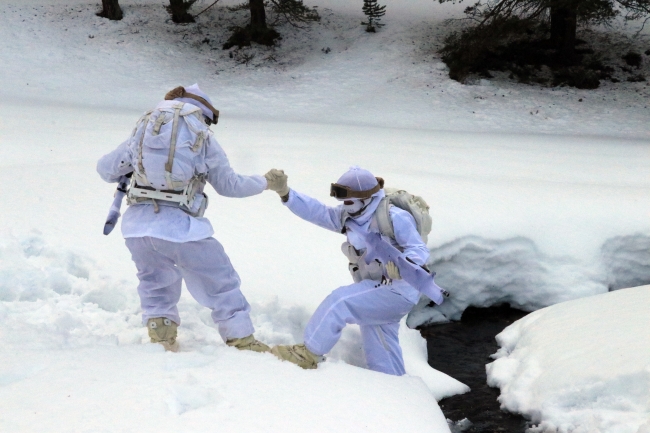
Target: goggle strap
[[180, 92], [355, 194]]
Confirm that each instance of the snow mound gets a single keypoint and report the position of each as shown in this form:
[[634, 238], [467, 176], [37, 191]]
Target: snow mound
[[53, 298], [628, 261], [579, 366], [220, 390], [483, 272]]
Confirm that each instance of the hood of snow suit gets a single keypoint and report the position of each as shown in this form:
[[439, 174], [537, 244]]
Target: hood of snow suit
[[358, 179], [194, 89]]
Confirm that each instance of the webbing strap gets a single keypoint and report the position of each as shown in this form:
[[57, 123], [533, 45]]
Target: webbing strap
[[383, 219], [142, 174], [172, 147], [158, 124], [200, 137]]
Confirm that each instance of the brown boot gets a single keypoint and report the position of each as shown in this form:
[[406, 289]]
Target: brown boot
[[248, 343], [297, 354], [163, 331]]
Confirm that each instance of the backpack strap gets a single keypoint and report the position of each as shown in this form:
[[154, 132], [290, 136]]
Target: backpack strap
[[159, 123], [344, 218], [172, 150], [383, 220], [141, 175]]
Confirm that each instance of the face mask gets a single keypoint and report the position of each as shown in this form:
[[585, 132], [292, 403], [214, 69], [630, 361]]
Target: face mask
[[355, 208]]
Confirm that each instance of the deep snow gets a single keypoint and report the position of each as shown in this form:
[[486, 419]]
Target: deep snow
[[532, 209], [579, 366]]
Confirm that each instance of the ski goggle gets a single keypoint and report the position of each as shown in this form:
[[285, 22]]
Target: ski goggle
[[343, 192]]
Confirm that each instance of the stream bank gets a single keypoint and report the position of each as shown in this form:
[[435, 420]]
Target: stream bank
[[462, 349]]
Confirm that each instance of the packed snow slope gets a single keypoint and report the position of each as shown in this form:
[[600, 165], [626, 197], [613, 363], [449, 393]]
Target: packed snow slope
[[537, 197], [330, 72], [579, 366]]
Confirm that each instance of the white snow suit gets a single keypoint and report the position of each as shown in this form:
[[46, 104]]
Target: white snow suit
[[376, 307], [171, 245]]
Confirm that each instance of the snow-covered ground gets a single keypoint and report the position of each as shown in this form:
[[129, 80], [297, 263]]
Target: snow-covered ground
[[531, 209], [579, 366]]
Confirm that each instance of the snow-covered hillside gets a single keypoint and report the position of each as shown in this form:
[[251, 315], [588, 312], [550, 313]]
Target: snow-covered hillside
[[531, 209]]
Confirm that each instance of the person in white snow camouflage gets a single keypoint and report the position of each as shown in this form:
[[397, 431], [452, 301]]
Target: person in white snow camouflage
[[171, 154], [379, 298]]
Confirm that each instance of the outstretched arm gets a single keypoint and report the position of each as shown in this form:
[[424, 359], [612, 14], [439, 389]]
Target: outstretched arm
[[302, 205], [314, 211], [224, 179]]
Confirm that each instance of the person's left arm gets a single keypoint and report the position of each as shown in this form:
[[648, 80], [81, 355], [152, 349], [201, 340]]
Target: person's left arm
[[224, 179]]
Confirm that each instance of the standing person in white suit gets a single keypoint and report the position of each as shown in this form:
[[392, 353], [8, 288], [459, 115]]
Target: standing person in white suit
[[172, 153], [379, 298]]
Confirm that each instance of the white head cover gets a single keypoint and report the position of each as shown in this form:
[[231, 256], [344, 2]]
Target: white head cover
[[194, 89], [358, 179]]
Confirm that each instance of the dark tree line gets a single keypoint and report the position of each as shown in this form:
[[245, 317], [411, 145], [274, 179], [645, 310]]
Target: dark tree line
[[257, 30], [562, 16], [521, 36]]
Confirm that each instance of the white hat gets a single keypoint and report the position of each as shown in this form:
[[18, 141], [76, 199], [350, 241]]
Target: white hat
[[358, 179]]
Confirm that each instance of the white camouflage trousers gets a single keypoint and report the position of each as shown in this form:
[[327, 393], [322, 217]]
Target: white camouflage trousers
[[376, 308], [208, 274]]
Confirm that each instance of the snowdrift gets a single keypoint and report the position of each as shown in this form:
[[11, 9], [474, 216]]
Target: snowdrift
[[579, 366]]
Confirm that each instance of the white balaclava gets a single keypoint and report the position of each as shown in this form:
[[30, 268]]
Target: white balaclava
[[194, 89], [358, 179]]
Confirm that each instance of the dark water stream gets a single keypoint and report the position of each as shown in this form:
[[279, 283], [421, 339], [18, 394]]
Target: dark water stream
[[461, 350]]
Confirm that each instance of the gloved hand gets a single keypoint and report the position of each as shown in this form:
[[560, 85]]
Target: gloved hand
[[393, 271], [277, 181]]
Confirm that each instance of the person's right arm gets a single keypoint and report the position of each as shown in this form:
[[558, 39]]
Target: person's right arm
[[116, 164], [302, 205], [314, 211]]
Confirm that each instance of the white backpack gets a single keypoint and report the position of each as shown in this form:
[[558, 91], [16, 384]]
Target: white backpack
[[165, 169], [413, 204]]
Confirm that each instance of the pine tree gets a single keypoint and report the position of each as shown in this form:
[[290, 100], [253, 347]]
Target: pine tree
[[500, 17], [374, 12]]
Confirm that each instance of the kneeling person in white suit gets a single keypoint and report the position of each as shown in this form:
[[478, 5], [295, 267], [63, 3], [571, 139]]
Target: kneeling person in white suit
[[374, 302], [171, 155]]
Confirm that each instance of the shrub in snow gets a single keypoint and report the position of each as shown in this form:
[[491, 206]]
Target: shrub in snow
[[633, 59], [636, 78], [178, 9]]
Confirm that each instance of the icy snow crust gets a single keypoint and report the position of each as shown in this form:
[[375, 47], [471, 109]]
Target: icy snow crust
[[531, 209], [579, 366]]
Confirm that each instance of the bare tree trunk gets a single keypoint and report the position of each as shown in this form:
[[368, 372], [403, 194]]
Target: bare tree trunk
[[563, 32], [178, 9], [111, 10], [256, 31], [258, 15]]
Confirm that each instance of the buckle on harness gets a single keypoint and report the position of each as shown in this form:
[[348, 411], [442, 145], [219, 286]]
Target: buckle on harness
[[184, 199]]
